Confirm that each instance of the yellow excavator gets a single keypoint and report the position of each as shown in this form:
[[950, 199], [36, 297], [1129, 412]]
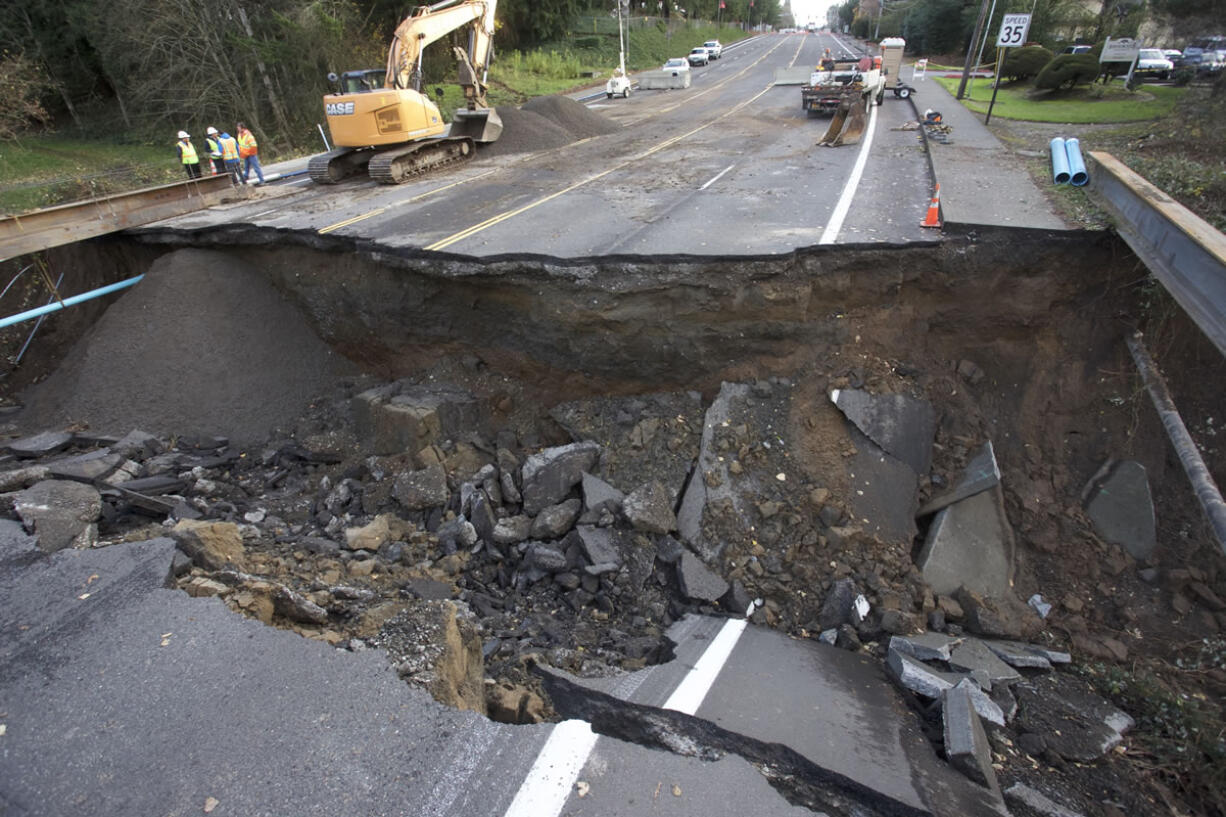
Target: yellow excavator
[[382, 122]]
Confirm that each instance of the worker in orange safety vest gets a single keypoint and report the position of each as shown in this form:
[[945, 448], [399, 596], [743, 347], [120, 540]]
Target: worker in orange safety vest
[[248, 151], [229, 155]]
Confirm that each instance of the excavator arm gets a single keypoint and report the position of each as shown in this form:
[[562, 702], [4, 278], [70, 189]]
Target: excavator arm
[[430, 23]]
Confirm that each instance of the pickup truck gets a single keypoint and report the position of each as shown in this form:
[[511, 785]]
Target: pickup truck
[[829, 87]]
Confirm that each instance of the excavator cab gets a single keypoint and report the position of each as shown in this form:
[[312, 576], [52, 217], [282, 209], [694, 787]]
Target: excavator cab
[[362, 82]]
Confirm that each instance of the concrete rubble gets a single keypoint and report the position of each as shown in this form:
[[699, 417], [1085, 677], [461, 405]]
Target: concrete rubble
[[423, 522]]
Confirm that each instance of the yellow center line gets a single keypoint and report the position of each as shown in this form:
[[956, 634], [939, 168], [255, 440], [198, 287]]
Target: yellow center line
[[353, 220], [509, 214]]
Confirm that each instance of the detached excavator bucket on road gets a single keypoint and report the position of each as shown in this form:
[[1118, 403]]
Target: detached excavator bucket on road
[[847, 125], [482, 125]]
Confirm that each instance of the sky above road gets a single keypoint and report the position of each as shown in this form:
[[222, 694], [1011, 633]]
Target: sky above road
[[805, 10]]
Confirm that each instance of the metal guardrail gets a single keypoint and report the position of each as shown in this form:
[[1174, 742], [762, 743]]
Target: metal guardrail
[[55, 226], [1185, 252]]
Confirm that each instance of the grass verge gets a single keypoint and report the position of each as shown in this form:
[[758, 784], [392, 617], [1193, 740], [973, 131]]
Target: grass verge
[[47, 170], [1084, 105]]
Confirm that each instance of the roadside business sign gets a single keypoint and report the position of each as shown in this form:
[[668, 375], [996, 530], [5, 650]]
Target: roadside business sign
[[1124, 49], [1013, 31]]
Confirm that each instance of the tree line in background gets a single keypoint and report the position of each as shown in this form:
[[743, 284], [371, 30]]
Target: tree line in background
[[944, 27], [146, 68]]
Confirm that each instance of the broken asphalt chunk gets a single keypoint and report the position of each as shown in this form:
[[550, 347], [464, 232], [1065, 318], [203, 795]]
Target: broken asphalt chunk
[[925, 646], [902, 426], [697, 581], [1119, 504], [966, 744], [297, 607], [550, 475], [924, 680], [40, 445], [970, 543], [60, 513], [650, 508], [972, 655], [1017, 654], [981, 473], [1034, 800], [597, 544], [86, 468], [599, 498]]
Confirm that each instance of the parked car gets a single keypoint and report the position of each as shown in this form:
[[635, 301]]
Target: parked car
[[714, 48], [1150, 62], [699, 56], [1077, 49], [1213, 62], [1174, 55], [676, 64], [1192, 58]]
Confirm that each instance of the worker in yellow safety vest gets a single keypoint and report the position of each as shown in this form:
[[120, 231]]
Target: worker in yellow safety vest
[[214, 142], [187, 155], [229, 155], [248, 150]]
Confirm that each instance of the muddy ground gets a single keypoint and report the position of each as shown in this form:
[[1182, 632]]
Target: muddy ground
[[1016, 340]]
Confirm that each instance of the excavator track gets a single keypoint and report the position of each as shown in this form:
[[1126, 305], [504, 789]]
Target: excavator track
[[337, 165], [398, 165]]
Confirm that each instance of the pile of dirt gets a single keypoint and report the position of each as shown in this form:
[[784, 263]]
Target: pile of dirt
[[203, 344], [545, 123], [574, 117]]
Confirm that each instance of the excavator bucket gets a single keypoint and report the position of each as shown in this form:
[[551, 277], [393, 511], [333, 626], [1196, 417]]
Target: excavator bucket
[[830, 139], [481, 125], [855, 124], [847, 125]]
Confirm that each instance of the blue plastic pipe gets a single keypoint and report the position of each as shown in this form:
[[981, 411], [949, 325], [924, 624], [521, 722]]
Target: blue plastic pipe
[[1076, 164], [1059, 161], [73, 301]]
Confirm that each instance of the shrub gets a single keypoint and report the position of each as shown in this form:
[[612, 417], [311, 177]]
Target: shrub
[[1024, 63], [1066, 71], [1183, 76]]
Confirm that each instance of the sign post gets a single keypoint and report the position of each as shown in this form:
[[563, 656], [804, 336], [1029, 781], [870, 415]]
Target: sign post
[[1013, 31]]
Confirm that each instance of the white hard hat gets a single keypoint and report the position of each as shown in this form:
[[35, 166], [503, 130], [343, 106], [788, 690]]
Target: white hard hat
[[184, 135], [212, 131]]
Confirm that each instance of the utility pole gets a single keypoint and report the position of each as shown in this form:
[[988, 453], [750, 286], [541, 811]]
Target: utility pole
[[970, 51]]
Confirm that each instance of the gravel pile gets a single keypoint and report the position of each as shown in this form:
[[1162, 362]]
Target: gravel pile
[[545, 123], [573, 117], [203, 345]]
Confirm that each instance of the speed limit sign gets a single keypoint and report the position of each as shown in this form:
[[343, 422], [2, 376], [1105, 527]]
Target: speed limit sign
[[1013, 30]]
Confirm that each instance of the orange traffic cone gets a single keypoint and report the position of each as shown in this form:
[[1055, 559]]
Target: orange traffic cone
[[933, 218]]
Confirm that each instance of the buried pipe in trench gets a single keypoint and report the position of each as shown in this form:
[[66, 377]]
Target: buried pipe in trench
[[75, 299], [1198, 473]]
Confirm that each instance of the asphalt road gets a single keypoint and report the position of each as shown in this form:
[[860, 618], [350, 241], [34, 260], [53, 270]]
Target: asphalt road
[[119, 696], [728, 166]]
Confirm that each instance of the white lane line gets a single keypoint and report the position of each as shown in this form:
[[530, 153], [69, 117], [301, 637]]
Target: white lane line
[[688, 695], [716, 177], [831, 233], [548, 784], [555, 771]]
